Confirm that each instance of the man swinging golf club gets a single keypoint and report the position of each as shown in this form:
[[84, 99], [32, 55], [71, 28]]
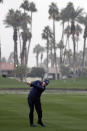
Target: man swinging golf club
[[34, 100]]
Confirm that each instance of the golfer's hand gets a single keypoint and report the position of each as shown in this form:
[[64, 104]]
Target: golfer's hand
[[28, 83]]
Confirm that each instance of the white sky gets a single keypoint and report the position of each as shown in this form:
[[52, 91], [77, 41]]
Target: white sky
[[40, 20]]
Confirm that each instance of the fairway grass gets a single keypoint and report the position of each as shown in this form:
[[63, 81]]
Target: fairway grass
[[61, 112]]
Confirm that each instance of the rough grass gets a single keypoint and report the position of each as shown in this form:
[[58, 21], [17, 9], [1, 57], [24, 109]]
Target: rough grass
[[78, 83], [61, 112], [11, 83]]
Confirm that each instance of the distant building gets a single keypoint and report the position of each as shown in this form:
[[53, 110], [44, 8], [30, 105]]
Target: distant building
[[51, 73], [6, 69]]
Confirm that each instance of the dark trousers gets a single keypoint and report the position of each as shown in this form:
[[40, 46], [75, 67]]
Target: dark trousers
[[37, 104]]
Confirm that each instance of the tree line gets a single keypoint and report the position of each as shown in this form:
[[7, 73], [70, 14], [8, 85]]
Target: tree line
[[72, 20]]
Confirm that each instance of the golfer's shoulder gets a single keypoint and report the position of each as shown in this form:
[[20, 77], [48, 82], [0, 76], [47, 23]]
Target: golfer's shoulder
[[38, 81]]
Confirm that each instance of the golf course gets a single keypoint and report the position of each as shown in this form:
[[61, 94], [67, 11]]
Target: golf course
[[61, 111]]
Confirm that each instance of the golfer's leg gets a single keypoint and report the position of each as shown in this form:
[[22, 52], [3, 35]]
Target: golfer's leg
[[31, 105], [38, 110]]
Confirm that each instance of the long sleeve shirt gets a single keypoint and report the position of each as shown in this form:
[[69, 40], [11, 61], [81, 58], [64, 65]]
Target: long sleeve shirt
[[36, 90]]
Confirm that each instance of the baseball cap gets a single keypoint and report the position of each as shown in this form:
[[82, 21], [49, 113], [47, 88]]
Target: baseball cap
[[46, 81]]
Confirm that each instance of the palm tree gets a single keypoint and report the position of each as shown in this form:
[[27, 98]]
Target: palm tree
[[24, 50], [67, 57], [67, 32], [13, 19], [46, 36], [78, 32], [25, 20], [54, 15], [51, 55], [74, 15], [32, 9], [83, 20], [25, 5], [61, 47], [63, 18], [37, 49], [29, 36]]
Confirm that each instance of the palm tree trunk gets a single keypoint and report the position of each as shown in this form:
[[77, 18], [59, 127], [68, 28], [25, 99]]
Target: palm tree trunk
[[28, 52], [84, 52], [37, 59], [15, 48], [60, 56], [27, 55], [15, 54], [68, 43], [74, 55], [65, 50], [63, 33], [19, 35], [52, 59], [31, 22], [23, 53], [68, 36], [55, 50], [63, 42], [77, 43]]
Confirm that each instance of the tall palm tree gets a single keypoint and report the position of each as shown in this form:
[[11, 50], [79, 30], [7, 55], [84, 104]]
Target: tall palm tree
[[32, 9], [74, 15], [13, 19], [46, 35], [38, 49], [23, 53], [29, 7], [54, 15], [25, 5], [83, 20], [63, 18], [25, 21], [68, 12]]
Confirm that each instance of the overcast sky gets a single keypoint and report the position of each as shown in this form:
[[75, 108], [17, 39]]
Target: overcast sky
[[40, 19]]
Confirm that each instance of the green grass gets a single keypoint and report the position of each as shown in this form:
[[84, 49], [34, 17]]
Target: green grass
[[79, 83], [61, 112], [11, 83]]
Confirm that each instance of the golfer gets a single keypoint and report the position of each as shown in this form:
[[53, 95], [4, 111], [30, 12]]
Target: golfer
[[34, 100]]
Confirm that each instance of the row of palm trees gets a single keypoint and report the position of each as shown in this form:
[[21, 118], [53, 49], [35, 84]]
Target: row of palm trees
[[71, 19], [21, 23]]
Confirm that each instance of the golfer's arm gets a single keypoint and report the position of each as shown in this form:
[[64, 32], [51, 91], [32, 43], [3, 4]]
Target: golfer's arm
[[35, 84]]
